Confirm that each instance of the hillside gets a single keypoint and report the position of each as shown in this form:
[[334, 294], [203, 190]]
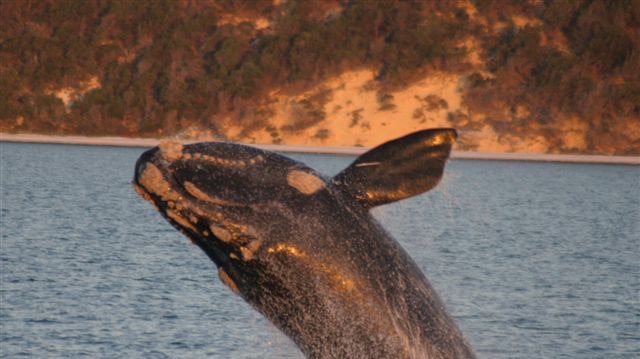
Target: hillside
[[514, 76]]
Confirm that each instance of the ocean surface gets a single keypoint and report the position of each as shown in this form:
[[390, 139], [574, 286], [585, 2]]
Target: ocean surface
[[534, 260]]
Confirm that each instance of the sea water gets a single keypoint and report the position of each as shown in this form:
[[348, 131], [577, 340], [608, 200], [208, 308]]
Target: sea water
[[533, 260]]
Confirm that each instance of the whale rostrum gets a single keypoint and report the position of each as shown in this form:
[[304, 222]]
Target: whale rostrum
[[303, 249]]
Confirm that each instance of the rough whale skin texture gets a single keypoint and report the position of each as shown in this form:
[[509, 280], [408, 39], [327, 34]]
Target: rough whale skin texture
[[303, 249]]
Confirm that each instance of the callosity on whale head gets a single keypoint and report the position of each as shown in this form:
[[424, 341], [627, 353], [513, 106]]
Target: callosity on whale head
[[303, 249]]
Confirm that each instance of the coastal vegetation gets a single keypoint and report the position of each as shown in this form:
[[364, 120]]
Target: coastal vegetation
[[155, 68]]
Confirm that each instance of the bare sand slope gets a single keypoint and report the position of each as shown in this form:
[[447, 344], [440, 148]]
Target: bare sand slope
[[339, 150], [352, 110]]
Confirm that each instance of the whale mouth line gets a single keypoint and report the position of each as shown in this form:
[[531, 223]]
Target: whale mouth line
[[200, 220], [171, 202], [169, 209]]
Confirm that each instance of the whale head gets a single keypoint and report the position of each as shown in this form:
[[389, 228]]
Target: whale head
[[226, 198]]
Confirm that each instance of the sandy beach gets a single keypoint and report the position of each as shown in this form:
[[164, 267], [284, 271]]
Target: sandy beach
[[336, 150]]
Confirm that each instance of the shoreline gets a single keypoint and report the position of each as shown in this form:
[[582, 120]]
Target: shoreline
[[334, 150]]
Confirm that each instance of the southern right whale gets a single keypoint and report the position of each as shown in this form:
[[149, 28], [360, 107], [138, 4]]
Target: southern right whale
[[304, 250]]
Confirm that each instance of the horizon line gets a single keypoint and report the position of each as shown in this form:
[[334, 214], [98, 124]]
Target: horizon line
[[332, 150]]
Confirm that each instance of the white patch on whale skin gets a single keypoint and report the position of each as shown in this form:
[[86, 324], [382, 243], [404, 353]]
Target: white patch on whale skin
[[180, 220], [367, 164], [152, 180], [222, 233], [304, 182], [224, 277], [201, 195], [247, 255], [171, 150], [256, 159], [249, 251], [216, 160]]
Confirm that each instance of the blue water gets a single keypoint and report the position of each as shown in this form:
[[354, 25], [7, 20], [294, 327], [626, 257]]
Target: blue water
[[533, 260]]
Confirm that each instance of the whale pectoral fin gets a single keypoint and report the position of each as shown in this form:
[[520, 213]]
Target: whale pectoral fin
[[398, 169]]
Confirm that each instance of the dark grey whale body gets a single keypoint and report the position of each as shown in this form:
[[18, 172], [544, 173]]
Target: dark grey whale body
[[303, 250]]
